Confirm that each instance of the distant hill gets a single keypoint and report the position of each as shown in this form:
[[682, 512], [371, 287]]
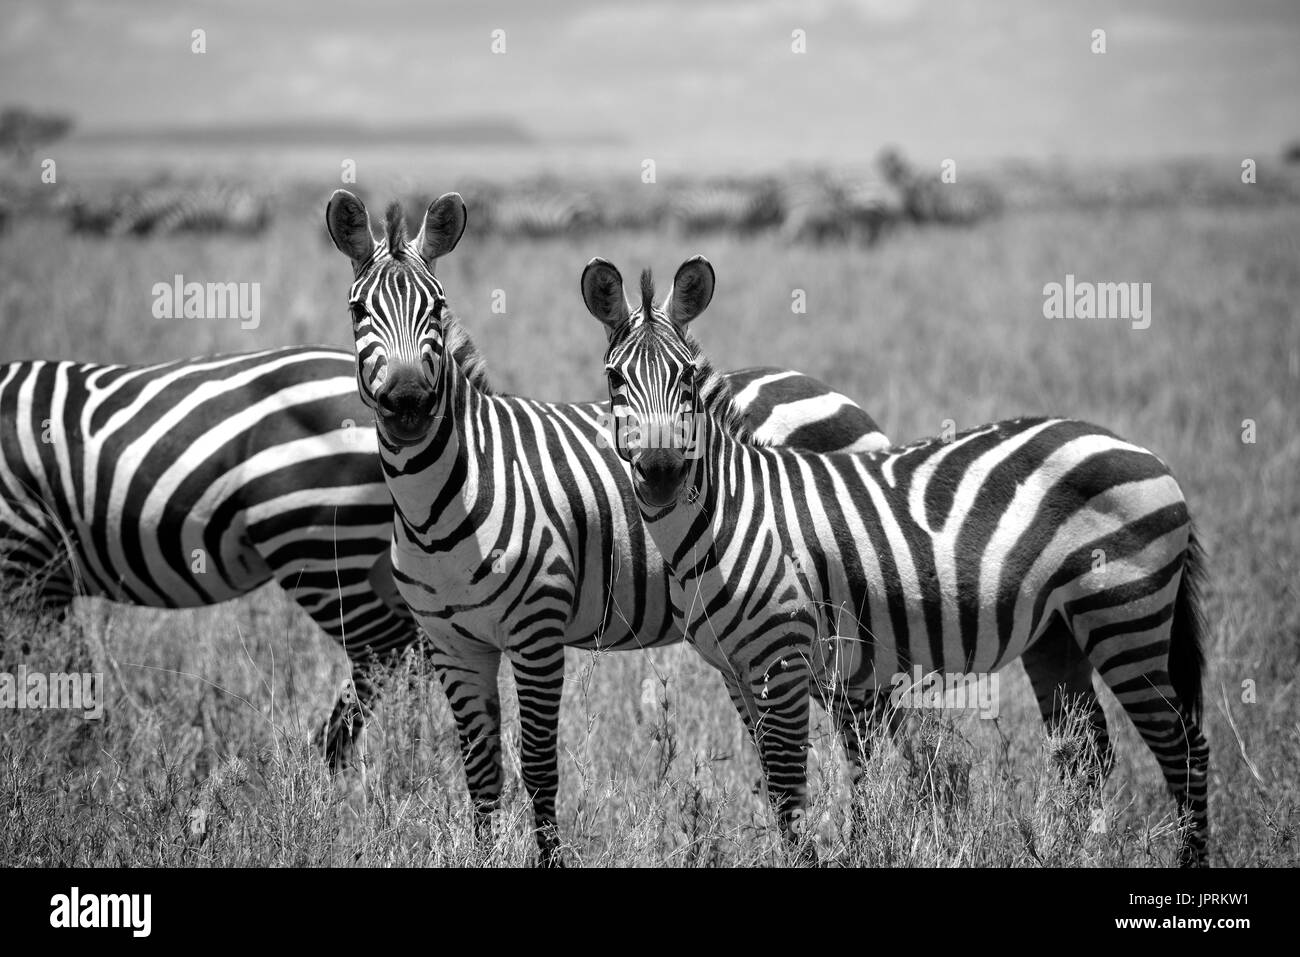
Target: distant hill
[[468, 132]]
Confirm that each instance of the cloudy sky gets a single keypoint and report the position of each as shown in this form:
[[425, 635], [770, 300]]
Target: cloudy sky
[[689, 78]]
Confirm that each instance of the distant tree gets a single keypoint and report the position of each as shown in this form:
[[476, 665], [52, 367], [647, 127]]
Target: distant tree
[[1292, 152], [22, 130]]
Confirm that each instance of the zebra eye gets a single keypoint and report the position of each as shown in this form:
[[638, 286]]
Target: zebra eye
[[616, 380], [687, 377]]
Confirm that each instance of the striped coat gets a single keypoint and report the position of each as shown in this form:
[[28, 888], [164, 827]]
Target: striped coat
[[164, 210], [192, 482], [515, 530], [1044, 539]]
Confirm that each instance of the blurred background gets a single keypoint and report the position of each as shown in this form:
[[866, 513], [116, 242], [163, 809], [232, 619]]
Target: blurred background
[[713, 86]]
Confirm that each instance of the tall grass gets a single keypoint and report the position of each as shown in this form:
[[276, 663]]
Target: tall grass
[[203, 756]]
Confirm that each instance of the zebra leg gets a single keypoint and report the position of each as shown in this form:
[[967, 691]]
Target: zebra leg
[[774, 700], [467, 670], [368, 618], [34, 563], [378, 649], [1061, 676], [339, 736], [539, 681], [1135, 658]]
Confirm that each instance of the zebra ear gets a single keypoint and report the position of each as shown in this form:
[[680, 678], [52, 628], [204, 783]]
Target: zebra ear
[[349, 226], [692, 291], [602, 291], [444, 224]]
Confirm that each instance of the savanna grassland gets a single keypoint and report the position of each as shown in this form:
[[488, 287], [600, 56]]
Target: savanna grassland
[[210, 712]]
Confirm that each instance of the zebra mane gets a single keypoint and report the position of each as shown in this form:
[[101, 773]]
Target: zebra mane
[[718, 399], [458, 344], [647, 293], [395, 229]]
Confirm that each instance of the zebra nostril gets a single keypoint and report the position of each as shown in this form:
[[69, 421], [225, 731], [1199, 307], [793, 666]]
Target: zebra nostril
[[385, 403]]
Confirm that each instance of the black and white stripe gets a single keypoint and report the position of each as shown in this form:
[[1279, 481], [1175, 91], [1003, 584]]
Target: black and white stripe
[[164, 210], [516, 532], [732, 207], [193, 482], [542, 213], [1047, 539]]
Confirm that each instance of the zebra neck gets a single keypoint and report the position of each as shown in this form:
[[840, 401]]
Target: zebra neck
[[692, 536], [433, 482]]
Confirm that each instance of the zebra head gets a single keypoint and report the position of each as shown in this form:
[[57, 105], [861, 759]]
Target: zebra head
[[651, 367], [397, 308]]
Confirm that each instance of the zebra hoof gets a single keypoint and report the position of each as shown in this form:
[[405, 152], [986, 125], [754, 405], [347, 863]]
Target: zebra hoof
[[549, 855], [1190, 856], [337, 745]]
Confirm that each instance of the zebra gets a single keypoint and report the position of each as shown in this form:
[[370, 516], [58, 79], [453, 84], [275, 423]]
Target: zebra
[[840, 570], [540, 214], [820, 208], [165, 210], [94, 215], [869, 207], [927, 199], [515, 531], [744, 208], [813, 212], [629, 209], [214, 208], [138, 213], [192, 482]]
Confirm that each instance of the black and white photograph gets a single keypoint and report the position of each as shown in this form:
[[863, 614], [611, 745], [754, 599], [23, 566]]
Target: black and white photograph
[[751, 435]]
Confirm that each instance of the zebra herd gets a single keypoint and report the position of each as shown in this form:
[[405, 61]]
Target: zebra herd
[[164, 210], [759, 515], [808, 207], [193, 482], [815, 206]]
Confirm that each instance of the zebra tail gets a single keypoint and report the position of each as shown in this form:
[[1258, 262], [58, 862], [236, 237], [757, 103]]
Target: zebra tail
[[1186, 643]]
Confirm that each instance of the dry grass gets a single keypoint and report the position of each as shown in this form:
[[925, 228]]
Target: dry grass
[[211, 710]]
